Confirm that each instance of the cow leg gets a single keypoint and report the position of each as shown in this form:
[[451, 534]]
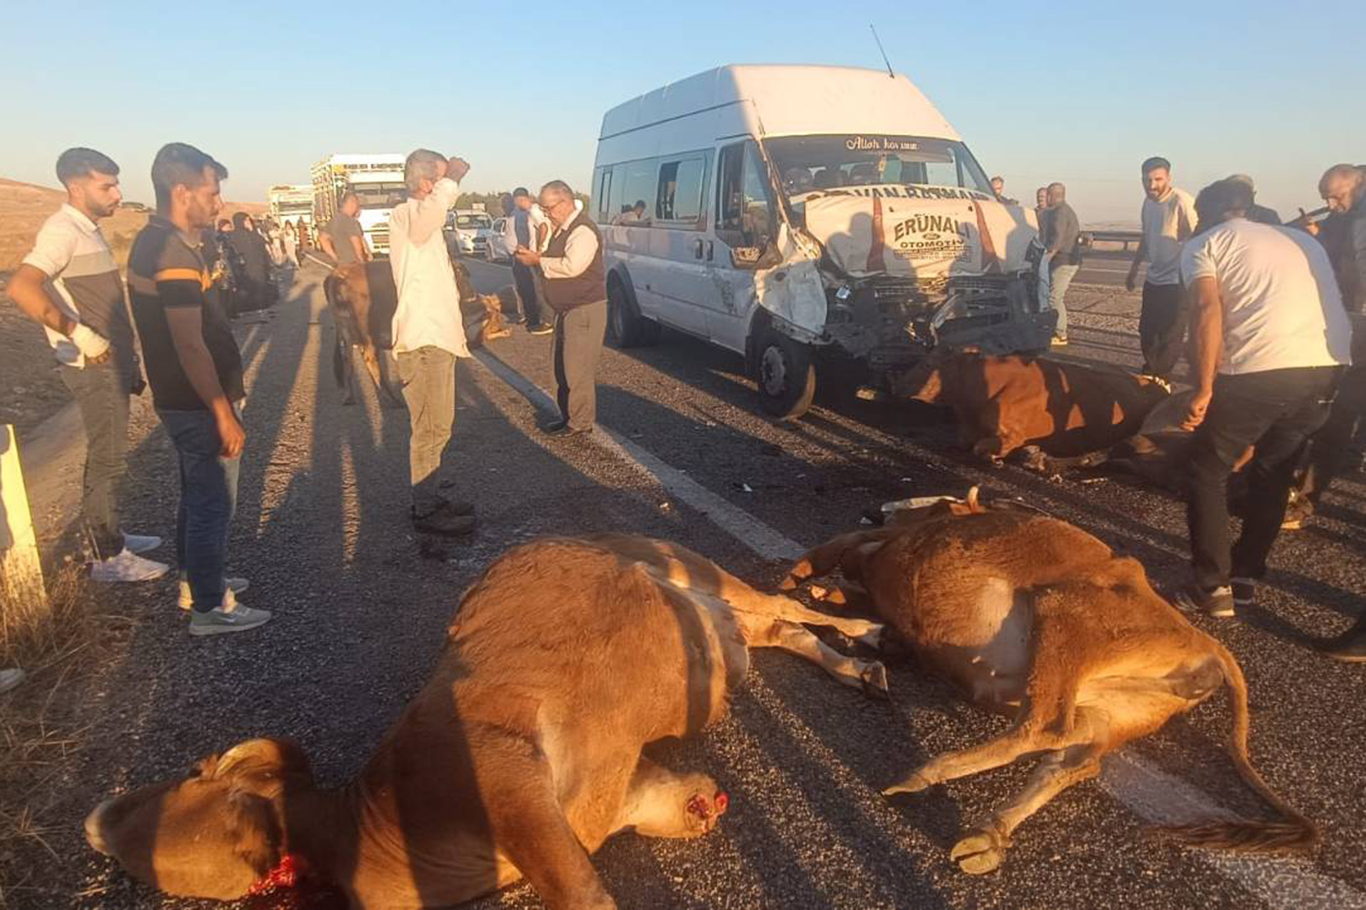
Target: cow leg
[[344, 369], [673, 567], [981, 849], [1050, 720], [530, 828], [660, 803], [869, 676], [828, 556]]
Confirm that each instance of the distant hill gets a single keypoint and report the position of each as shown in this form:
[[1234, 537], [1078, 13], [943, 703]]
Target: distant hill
[[25, 206]]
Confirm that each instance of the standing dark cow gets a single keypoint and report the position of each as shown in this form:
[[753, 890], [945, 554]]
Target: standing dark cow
[[363, 298]]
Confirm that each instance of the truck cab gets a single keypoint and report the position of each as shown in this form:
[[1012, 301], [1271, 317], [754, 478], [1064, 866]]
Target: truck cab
[[800, 214]]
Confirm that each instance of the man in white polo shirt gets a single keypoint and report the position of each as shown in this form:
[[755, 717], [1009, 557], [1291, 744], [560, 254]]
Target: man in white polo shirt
[[86, 320], [1168, 220], [1269, 339], [428, 333]]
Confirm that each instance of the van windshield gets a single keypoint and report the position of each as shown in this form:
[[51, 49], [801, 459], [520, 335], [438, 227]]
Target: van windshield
[[809, 163]]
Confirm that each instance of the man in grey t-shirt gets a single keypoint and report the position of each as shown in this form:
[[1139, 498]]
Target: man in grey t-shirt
[[342, 238]]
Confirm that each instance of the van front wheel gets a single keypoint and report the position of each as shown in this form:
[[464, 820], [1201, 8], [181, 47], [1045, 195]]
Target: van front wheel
[[626, 328], [786, 374]]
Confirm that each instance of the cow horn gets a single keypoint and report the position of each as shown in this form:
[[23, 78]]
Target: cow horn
[[259, 754]]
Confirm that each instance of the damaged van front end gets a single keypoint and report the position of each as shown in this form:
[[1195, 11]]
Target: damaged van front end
[[881, 275]]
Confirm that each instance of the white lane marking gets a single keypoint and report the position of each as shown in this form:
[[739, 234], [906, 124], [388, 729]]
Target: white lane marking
[[747, 529], [1161, 799], [1151, 794]]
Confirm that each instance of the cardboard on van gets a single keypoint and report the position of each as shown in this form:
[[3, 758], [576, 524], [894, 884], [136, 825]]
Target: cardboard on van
[[917, 236]]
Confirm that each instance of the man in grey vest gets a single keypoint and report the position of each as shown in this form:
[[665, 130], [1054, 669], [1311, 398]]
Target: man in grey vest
[[576, 289]]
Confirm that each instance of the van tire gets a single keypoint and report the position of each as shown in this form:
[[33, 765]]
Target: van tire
[[785, 372], [626, 328]]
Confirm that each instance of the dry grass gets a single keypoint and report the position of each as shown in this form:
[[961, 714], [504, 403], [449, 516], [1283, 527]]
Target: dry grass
[[39, 729]]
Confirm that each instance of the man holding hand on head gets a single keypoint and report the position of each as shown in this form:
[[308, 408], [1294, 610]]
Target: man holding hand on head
[[86, 320], [428, 333], [576, 289]]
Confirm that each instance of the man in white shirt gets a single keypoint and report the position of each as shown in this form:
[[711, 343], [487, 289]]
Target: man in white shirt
[[428, 333], [1168, 220], [70, 284], [576, 289], [1270, 338]]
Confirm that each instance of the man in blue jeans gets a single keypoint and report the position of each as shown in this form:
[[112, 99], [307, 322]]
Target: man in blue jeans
[[195, 371]]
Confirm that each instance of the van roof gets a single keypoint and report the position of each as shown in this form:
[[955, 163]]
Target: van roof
[[791, 100]]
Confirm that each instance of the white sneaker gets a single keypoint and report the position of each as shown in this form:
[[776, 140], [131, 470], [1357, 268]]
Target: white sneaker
[[140, 543], [10, 677], [127, 566], [219, 620], [231, 586]]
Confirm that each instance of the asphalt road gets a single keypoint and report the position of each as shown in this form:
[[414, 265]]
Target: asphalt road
[[322, 532]]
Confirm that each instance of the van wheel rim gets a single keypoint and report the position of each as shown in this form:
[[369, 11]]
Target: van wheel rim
[[773, 371]]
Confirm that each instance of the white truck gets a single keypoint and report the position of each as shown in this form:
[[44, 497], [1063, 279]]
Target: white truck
[[795, 214], [377, 180], [292, 202]]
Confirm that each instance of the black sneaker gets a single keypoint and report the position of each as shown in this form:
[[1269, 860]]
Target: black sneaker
[[1216, 602], [540, 328], [552, 427], [1350, 646], [1244, 591]]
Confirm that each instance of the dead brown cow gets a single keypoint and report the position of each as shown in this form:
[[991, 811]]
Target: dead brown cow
[[1004, 403], [519, 757], [363, 299], [1037, 619]]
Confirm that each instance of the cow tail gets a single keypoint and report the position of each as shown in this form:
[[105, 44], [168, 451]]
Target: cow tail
[[1293, 832]]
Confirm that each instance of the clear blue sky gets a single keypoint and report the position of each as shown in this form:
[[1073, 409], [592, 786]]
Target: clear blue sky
[[1074, 91]]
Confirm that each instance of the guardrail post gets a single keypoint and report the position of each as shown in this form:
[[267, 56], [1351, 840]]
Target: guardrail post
[[21, 573]]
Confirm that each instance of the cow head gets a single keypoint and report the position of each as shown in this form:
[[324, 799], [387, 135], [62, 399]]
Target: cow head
[[216, 833]]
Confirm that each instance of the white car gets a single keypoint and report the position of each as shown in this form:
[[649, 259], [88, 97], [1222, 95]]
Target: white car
[[470, 230], [501, 241]]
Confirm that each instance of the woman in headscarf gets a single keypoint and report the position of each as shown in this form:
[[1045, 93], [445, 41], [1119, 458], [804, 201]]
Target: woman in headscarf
[[258, 291]]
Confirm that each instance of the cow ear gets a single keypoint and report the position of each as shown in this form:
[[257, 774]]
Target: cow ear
[[258, 838]]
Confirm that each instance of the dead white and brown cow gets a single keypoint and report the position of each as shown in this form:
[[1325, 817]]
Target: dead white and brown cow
[[1037, 619], [363, 298], [1004, 403], [518, 758]]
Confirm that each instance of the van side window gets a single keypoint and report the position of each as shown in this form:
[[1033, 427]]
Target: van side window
[[604, 194], [678, 196], [744, 213], [638, 183]]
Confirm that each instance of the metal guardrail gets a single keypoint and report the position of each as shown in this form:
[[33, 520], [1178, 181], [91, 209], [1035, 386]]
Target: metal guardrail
[[1123, 237]]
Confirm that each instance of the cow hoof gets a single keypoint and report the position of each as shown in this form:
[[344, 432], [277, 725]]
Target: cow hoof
[[912, 784], [875, 681], [978, 853]]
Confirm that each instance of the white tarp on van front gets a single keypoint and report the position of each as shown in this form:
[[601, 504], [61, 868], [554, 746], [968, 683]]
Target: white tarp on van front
[[918, 232]]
